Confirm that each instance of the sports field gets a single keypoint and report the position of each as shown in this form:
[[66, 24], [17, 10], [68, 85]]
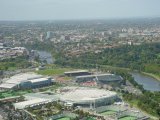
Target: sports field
[[108, 112], [13, 93], [64, 118], [127, 118], [90, 118]]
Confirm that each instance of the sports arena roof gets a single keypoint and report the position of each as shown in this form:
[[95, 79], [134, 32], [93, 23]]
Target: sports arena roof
[[23, 77], [85, 76], [78, 71], [100, 77], [38, 80], [80, 94], [51, 97]]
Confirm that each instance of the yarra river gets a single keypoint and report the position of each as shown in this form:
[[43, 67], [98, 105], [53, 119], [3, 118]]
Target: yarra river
[[43, 55], [148, 83]]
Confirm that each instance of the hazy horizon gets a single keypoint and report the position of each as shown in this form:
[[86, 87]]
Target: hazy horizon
[[12, 10]]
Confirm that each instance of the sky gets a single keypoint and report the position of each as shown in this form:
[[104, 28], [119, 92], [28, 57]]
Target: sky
[[77, 9]]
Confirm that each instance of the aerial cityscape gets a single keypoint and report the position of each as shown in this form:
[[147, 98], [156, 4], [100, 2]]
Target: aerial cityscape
[[79, 60]]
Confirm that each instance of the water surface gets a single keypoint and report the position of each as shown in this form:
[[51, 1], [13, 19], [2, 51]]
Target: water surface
[[148, 83], [43, 55]]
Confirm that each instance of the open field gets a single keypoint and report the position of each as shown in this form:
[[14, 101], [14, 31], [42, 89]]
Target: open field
[[128, 118], [108, 112], [12, 93], [64, 118], [54, 71], [90, 118]]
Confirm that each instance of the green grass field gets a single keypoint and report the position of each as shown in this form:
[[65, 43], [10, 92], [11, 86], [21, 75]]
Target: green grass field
[[7, 95], [64, 118], [11, 93], [108, 112], [127, 118], [55, 71], [90, 118]]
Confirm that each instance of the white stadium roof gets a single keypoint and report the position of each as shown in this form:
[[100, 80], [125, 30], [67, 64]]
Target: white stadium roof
[[77, 71], [85, 76], [86, 94]]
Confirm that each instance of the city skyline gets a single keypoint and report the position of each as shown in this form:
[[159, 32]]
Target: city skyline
[[77, 9]]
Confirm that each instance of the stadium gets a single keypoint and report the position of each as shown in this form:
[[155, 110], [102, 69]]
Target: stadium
[[77, 73], [100, 78], [25, 81], [87, 97]]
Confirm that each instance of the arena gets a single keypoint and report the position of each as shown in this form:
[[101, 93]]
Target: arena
[[87, 97], [26, 81]]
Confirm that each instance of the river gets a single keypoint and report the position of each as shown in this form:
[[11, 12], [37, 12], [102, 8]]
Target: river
[[43, 55], [148, 83]]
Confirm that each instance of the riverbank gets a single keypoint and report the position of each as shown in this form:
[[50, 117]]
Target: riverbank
[[151, 75], [129, 70]]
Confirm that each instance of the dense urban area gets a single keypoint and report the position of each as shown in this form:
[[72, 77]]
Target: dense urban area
[[80, 70]]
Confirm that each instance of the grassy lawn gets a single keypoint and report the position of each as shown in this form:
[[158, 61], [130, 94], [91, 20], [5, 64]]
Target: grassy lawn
[[55, 71], [109, 112], [128, 118], [12, 93], [90, 118], [12, 68], [64, 118], [7, 94], [67, 78]]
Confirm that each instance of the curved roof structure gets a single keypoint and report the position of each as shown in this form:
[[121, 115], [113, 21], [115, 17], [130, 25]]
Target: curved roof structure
[[82, 94]]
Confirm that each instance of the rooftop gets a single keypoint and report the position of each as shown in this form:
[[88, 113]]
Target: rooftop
[[51, 97], [7, 85], [38, 80], [83, 94], [16, 79], [33, 102], [85, 76], [78, 71]]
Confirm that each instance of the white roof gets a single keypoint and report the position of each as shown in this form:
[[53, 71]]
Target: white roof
[[85, 94], [69, 72], [28, 103], [30, 96], [7, 85], [39, 80], [84, 76], [16, 79], [23, 77]]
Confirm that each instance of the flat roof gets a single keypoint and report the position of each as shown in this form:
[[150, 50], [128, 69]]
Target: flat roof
[[28, 103], [16, 79], [39, 80], [77, 71], [23, 77], [84, 76], [46, 96], [7, 85]]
